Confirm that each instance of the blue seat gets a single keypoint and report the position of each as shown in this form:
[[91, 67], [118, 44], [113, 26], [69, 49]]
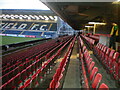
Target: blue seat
[[11, 32], [31, 33]]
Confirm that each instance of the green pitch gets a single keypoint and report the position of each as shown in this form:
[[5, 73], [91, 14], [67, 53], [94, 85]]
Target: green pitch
[[10, 40]]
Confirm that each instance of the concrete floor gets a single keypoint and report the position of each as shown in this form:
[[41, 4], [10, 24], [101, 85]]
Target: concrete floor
[[72, 78]]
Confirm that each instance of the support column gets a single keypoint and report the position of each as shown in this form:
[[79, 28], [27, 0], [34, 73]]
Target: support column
[[94, 29]]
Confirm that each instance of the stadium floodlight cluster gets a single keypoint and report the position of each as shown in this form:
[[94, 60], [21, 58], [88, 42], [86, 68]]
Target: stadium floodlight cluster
[[29, 17]]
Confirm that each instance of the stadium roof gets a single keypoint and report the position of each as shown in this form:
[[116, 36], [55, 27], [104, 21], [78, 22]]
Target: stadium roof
[[79, 13]]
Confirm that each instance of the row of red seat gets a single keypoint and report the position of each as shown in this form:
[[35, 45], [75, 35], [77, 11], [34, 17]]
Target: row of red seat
[[18, 76], [84, 82], [30, 52], [92, 71], [96, 38], [52, 51], [90, 41], [55, 83], [110, 59], [35, 78], [12, 67], [19, 68], [20, 56], [38, 54]]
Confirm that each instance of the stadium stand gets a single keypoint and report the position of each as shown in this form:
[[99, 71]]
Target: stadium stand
[[29, 25], [12, 32], [31, 33], [30, 70], [109, 59], [51, 34], [28, 65], [66, 54], [32, 28], [55, 83]]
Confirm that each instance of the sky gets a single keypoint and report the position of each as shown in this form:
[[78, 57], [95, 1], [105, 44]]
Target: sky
[[22, 4]]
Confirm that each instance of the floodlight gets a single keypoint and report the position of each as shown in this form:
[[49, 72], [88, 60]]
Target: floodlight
[[97, 23], [89, 26]]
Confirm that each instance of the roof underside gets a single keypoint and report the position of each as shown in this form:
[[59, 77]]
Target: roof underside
[[77, 14]]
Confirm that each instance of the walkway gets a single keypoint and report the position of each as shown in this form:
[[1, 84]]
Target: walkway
[[72, 78]]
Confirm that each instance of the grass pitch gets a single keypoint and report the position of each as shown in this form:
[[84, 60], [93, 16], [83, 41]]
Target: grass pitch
[[10, 40]]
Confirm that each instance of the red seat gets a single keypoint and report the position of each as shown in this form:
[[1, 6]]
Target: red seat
[[34, 81], [103, 86], [13, 82], [52, 84], [93, 73], [4, 85], [86, 54], [84, 75], [110, 56], [91, 66], [111, 53], [88, 62], [99, 48], [82, 43], [104, 51], [116, 55], [106, 56], [119, 70], [84, 48], [111, 59], [115, 70], [23, 75], [101, 51], [96, 80], [110, 66], [16, 80], [92, 42], [27, 83]]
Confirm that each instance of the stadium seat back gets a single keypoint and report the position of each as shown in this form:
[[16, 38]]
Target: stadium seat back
[[116, 55], [119, 68], [27, 83], [102, 48], [89, 62], [105, 48], [115, 70], [93, 73], [84, 48], [97, 80], [103, 86], [91, 66], [111, 53], [108, 51]]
